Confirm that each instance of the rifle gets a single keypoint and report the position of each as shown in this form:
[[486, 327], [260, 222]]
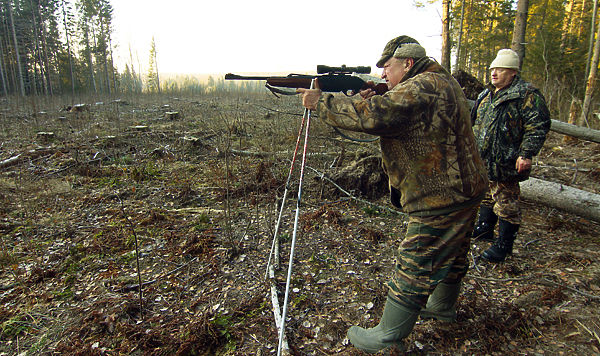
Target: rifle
[[331, 79]]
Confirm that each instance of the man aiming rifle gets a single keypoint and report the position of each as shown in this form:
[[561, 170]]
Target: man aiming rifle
[[435, 176]]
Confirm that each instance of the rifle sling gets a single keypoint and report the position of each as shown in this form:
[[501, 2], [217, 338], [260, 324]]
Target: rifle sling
[[277, 90], [353, 139]]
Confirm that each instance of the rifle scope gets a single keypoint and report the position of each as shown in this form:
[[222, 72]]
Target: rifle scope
[[321, 69]]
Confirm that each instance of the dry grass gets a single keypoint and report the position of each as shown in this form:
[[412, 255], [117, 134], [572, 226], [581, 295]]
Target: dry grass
[[200, 195]]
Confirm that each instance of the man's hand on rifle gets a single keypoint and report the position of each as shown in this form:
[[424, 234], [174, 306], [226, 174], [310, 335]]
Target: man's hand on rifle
[[310, 97], [368, 93]]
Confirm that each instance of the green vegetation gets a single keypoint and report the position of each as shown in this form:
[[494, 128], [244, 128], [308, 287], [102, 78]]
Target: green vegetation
[[15, 326], [225, 328], [370, 211]]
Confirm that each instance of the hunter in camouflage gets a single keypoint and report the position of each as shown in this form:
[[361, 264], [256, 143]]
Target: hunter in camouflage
[[435, 175], [509, 124], [427, 143], [510, 121]]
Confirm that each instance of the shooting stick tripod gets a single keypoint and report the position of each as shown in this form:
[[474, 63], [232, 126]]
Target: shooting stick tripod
[[281, 325]]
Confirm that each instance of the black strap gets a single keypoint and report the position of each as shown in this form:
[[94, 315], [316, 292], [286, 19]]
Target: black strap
[[353, 139], [277, 90]]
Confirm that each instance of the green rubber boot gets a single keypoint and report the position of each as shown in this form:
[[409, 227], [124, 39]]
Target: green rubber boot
[[440, 304], [395, 325]]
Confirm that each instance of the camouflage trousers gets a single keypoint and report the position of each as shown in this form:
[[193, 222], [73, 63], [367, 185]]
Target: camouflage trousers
[[503, 197], [434, 250]]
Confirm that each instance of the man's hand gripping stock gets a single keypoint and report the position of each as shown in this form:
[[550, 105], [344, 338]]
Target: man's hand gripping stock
[[310, 97]]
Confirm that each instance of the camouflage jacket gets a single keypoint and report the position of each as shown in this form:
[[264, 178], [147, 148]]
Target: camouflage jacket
[[509, 124], [427, 143]]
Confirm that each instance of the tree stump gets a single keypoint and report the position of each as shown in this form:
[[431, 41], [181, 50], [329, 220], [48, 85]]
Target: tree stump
[[172, 115], [45, 136]]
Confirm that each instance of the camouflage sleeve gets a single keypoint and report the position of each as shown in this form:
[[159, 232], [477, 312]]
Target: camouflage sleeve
[[536, 124], [380, 116], [480, 97]]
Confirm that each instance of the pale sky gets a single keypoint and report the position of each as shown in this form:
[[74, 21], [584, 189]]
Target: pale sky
[[222, 36]]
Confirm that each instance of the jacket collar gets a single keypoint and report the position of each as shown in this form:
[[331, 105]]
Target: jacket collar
[[420, 66]]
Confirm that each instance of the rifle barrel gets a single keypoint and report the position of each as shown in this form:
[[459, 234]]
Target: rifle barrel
[[229, 76]]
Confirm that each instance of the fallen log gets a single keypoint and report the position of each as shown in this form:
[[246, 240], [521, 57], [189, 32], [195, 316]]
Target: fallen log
[[562, 197], [11, 161], [575, 131]]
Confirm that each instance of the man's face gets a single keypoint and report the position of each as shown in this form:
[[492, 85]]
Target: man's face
[[394, 70], [502, 77]]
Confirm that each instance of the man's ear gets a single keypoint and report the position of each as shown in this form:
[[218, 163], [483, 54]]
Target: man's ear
[[409, 62]]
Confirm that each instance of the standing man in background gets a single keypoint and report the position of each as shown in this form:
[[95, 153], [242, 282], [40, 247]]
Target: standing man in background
[[511, 121], [435, 176]]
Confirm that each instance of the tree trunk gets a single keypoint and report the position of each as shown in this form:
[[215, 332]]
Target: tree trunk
[[574, 111], [518, 40], [14, 34], [69, 52], [95, 38], [573, 116], [559, 196], [467, 65], [45, 59], [157, 75], [457, 64], [112, 66], [591, 83], [592, 35], [580, 20], [37, 57], [566, 28], [90, 59], [446, 43], [3, 71]]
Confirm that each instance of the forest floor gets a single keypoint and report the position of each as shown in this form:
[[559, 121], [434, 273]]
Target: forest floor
[[183, 195]]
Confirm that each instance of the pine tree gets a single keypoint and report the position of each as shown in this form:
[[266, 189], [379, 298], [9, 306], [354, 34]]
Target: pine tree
[[153, 78]]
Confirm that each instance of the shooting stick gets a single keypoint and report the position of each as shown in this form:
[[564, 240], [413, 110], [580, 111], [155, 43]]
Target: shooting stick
[[275, 245], [305, 118]]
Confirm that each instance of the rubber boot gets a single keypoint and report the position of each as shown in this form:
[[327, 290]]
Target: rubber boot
[[395, 325], [440, 304], [503, 247], [484, 229]]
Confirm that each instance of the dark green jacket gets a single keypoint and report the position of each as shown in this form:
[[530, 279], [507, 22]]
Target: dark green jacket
[[509, 124]]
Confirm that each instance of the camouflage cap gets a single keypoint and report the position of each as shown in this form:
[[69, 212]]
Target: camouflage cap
[[401, 47]]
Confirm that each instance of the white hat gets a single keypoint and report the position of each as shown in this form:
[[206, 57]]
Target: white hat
[[506, 58]]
